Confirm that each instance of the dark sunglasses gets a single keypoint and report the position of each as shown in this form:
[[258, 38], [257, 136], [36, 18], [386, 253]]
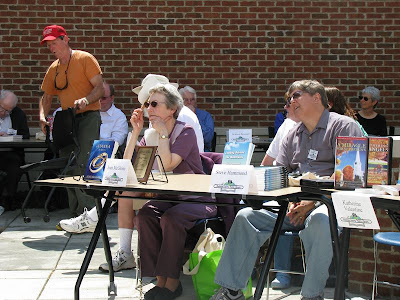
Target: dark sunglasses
[[295, 95], [363, 98], [66, 77], [152, 103]]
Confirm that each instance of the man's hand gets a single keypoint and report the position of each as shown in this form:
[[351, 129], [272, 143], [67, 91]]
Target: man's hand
[[298, 211], [43, 124], [81, 103], [3, 133]]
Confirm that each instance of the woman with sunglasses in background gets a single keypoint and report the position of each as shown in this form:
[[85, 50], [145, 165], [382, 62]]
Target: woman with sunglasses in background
[[162, 226], [373, 123]]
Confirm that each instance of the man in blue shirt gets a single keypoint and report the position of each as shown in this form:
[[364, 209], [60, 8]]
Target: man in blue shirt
[[206, 121]]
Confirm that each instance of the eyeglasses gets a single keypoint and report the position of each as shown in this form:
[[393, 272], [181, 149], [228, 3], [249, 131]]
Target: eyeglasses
[[66, 77], [189, 99], [363, 98], [295, 95], [152, 103], [5, 110], [105, 97]]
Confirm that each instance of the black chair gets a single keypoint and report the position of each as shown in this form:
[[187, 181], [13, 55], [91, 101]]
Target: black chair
[[59, 166], [214, 142]]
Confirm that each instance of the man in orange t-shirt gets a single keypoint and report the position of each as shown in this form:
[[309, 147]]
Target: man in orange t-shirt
[[76, 79]]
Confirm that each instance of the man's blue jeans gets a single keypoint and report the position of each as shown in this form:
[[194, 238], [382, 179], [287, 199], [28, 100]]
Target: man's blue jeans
[[252, 228]]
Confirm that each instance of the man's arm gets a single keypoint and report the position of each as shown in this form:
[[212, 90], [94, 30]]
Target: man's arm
[[208, 128], [44, 109], [96, 93]]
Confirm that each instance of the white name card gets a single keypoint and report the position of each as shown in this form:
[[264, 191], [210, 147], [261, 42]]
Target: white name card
[[119, 172], [233, 179], [240, 135], [354, 210]]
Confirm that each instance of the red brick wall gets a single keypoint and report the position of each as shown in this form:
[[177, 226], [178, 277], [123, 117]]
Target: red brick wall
[[239, 55]]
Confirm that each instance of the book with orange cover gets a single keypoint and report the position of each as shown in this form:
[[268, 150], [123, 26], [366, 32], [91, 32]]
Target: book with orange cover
[[379, 161], [351, 162]]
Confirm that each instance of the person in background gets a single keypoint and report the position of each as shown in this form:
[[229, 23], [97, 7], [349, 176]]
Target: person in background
[[13, 121], [114, 125], [75, 77], [338, 104], [371, 121], [316, 132], [284, 247], [206, 121], [279, 119]]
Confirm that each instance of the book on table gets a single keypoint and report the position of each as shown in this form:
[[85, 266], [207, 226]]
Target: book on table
[[238, 153], [101, 151], [351, 162], [379, 161], [271, 177], [10, 138]]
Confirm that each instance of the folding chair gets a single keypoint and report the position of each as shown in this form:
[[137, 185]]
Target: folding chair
[[385, 238], [291, 234], [59, 165]]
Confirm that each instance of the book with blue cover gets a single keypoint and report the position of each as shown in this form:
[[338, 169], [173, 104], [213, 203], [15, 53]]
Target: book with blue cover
[[238, 153], [101, 150]]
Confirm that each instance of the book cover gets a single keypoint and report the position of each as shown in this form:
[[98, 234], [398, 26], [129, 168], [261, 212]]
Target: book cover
[[351, 162], [379, 161], [10, 138], [101, 150], [238, 153]]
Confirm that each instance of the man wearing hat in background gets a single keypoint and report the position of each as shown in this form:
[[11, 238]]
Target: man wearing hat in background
[[76, 79]]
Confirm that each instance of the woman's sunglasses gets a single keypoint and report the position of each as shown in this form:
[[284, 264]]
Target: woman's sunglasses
[[152, 103], [295, 95], [363, 98]]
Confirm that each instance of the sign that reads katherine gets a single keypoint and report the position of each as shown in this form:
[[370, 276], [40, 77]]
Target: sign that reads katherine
[[354, 210], [119, 172], [233, 179]]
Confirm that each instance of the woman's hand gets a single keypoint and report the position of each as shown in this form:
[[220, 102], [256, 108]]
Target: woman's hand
[[159, 125], [298, 211], [137, 120]]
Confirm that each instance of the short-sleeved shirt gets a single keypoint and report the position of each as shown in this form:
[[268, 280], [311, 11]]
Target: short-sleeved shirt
[[273, 149], [185, 145], [303, 151], [82, 68]]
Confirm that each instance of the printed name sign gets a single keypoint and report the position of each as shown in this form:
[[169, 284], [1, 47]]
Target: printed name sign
[[119, 172], [240, 135], [354, 210], [229, 179]]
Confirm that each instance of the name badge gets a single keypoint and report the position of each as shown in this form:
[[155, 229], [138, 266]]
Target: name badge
[[312, 154]]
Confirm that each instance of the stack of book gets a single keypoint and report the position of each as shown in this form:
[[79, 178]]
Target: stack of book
[[271, 178]]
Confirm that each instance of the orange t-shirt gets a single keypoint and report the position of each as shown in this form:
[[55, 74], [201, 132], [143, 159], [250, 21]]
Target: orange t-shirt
[[82, 67]]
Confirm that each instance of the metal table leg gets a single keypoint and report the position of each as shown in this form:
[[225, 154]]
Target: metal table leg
[[100, 227], [271, 250]]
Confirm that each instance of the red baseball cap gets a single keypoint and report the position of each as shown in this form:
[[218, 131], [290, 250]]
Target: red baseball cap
[[50, 33]]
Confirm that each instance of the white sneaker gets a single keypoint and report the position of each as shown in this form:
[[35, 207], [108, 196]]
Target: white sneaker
[[80, 224], [121, 261]]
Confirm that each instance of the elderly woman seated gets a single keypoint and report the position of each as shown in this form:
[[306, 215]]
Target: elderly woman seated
[[162, 225]]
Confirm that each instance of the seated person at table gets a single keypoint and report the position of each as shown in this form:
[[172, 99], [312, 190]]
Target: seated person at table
[[309, 147], [371, 121], [206, 121], [162, 257], [338, 104], [12, 122]]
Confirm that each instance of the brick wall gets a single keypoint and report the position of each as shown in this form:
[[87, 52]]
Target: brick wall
[[239, 55]]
